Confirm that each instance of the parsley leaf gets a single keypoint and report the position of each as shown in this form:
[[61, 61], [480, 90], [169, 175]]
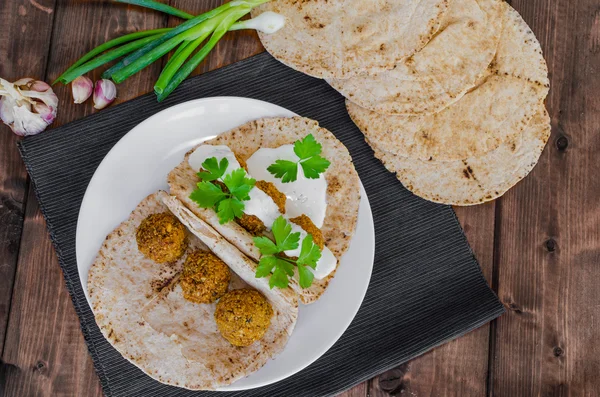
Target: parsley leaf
[[314, 166], [279, 278], [228, 204], [228, 209], [305, 276], [308, 151], [207, 194], [213, 169], [266, 246], [277, 265], [266, 266], [310, 253], [285, 239], [286, 170], [239, 184]]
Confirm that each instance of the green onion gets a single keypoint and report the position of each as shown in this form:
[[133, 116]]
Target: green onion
[[69, 76], [181, 47], [179, 29], [159, 7], [203, 29], [193, 63], [176, 61], [110, 44]]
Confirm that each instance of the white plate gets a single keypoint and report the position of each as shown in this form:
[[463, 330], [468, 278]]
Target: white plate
[[138, 165]]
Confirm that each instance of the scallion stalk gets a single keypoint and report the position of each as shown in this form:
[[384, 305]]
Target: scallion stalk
[[173, 33], [193, 63], [69, 76], [167, 9], [110, 44], [175, 63]]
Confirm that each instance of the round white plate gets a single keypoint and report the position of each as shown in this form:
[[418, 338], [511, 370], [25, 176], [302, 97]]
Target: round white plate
[[138, 165]]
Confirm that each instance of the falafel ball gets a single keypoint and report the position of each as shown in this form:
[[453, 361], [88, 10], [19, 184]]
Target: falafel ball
[[161, 237], [309, 227], [252, 224], [205, 277], [243, 316]]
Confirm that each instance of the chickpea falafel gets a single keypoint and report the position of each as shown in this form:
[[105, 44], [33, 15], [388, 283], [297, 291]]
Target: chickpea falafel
[[161, 237], [309, 227], [205, 277], [252, 224], [243, 316]]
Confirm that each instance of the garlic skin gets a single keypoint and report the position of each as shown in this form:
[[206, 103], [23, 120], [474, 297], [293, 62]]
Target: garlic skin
[[105, 93], [82, 88], [27, 106]]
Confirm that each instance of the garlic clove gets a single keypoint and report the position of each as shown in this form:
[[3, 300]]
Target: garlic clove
[[105, 93], [82, 88], [27, 106]]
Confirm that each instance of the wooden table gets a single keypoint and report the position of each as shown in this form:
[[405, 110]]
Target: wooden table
[[539, 245]]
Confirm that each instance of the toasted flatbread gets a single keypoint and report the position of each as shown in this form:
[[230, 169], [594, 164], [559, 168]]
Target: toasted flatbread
[[474, 180], [343, 38], [140, 309], [343, 192], [441, 72], [496, 110]]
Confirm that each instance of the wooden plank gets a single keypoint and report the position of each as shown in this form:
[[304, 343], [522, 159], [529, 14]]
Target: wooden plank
[[460, 367], [360, 390], [548, 251], [23, 49], [45, 352]]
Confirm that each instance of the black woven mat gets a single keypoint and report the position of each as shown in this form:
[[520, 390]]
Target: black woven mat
[[426, 288]]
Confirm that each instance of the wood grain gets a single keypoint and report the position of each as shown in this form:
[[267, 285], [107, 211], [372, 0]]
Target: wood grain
[[549, 233], [46, 354], [23, 50], [460, 367]]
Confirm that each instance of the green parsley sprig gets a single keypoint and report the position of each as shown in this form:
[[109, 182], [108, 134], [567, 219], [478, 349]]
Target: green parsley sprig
[[308, 151], [275, 264], [229, 203]]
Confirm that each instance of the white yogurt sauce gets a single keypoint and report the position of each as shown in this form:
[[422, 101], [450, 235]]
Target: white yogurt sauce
[[325, 265], [260, 204], [304, 196]]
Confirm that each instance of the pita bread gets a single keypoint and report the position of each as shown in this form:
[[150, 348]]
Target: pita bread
[[343, 38], [343, 194], [140, 309], [473, 180], [441, 72], [496, 110]]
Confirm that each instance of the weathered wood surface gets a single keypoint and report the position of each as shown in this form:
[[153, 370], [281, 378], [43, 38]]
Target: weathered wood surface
[[539, 246], [548, 227]]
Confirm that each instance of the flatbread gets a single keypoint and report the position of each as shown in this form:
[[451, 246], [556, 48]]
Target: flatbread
[[140, 309], [441, 72], [343, 38], [473, 180], [496, 110], [343, 187]]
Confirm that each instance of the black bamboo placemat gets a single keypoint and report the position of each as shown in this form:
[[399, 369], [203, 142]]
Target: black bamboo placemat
[[426, 287]]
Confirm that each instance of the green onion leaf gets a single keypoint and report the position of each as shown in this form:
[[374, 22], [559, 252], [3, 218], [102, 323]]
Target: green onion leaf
[[167, 9], [110, 44]]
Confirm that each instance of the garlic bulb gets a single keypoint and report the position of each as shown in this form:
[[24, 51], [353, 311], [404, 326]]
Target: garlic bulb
[[104, 93], [27, 106], [82, 88]]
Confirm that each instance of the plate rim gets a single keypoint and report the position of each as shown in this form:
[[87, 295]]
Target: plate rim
[[364, 199]]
